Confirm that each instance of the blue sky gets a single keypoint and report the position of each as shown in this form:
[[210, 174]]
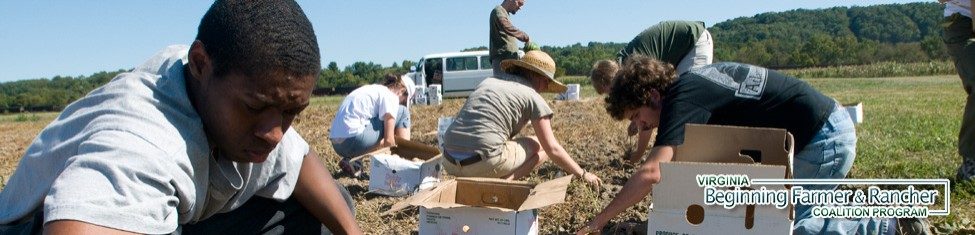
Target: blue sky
[[41, 39]]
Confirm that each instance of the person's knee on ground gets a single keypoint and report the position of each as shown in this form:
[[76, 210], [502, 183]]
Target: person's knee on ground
[[403, 123]]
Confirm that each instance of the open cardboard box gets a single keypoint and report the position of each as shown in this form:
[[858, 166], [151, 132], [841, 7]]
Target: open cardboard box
[[678, 202], [484, 205], [399, 174]]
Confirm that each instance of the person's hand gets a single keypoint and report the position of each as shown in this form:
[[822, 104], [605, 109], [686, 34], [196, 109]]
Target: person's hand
[[590, 228], [591, 179], [632, 129], [635, 158], [387, 142]]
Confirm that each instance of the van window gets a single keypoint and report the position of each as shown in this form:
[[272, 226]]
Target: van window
[[462, 63], [434, 71], [486, 62]]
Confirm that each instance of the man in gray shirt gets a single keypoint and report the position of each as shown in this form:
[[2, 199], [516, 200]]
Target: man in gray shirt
[[198, 139]]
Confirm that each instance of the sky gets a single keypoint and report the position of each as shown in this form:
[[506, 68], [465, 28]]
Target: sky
[[42, 39]]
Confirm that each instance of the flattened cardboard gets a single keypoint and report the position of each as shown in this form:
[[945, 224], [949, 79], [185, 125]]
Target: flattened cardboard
[[679, 207], [547, 193]]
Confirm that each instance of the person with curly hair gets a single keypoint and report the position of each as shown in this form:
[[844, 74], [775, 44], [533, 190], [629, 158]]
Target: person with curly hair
[[648, 92]]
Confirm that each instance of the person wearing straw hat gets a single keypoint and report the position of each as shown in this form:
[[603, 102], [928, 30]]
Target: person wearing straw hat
[[480, 142], [370, 118]]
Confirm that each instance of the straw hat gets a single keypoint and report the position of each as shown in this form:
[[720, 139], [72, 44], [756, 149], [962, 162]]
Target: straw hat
[[538, 62]]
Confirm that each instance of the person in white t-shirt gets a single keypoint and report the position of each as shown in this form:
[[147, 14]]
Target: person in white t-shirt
[[370, 118], [198, 139]]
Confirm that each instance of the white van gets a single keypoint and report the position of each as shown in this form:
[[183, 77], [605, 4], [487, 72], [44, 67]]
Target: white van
[[458, 73]]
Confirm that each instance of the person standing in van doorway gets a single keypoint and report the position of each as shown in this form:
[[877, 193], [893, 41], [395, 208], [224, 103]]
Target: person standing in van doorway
[[682, 44], [959, 36], [480, 141], [503, 34], [370, 118]]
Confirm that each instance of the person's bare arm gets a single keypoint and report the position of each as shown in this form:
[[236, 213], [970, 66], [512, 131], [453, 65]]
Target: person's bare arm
[[389, 124], [79, 227], [641, 146], [510, 29], [555, 152], [635, 190], [316, 191]]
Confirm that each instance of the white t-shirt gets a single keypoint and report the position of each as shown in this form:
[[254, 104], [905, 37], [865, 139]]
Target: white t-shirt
[[359, 107], [132, 155], [958, 6]]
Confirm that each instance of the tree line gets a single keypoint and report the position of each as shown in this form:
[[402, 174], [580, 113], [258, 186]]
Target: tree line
[[800, 38]]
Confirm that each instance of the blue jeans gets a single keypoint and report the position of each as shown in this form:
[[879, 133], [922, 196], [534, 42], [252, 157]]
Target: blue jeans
[[370, 136], [830, 155]]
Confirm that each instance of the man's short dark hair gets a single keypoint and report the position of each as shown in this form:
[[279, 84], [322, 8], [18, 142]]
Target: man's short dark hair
[[256, 37]]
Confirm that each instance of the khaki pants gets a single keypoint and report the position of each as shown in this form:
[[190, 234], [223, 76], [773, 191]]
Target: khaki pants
[[960, 40], [513, 155]]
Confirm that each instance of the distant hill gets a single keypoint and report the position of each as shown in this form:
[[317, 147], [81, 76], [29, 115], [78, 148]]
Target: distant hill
[[805, 38], [833, 36]]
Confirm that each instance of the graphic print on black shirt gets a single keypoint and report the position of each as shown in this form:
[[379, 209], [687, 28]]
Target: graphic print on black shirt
[[742, 95]]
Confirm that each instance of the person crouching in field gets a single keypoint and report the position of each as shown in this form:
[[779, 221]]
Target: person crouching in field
[[479, 141], [370, 118], [197, 140], [648, 93], [682, 44]]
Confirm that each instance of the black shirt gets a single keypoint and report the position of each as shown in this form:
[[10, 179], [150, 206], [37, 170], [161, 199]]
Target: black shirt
[[742, 95]]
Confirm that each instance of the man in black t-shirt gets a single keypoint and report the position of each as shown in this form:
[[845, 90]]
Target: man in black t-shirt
[[649, 94]]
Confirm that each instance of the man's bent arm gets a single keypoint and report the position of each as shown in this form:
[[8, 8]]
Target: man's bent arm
[[510, 29], [316, 191]]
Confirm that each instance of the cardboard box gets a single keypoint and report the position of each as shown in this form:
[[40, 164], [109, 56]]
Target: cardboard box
[[484, 206], [679, 207], [404, 169], [856, 112], [571, 93], [434, 95]]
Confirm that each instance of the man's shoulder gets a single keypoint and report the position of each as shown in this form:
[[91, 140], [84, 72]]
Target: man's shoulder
[[499, 12], [150, 105]]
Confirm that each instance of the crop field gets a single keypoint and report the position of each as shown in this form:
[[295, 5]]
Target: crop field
[[910, 131]]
